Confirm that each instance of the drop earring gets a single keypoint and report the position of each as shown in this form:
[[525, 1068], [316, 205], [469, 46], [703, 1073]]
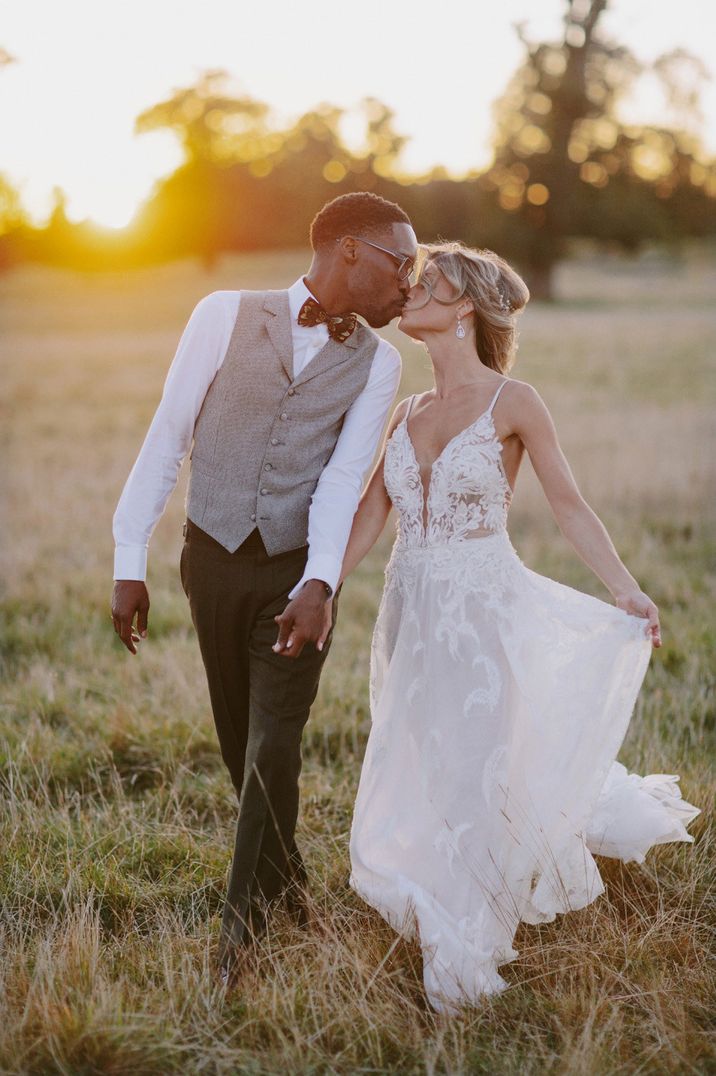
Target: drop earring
[[460, 331]]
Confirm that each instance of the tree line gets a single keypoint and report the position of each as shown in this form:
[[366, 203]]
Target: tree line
[[564, 166]]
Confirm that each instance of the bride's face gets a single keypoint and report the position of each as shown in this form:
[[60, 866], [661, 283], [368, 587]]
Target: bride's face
[[432, 305]]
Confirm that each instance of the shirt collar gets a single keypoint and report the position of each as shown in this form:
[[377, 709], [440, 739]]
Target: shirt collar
[[297, 295]]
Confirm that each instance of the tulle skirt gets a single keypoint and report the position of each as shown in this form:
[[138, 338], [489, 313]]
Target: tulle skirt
[[499, 701]]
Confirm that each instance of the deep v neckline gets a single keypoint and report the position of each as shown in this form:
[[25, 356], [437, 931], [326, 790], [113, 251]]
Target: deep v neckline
[[426, 489], [486, 412]]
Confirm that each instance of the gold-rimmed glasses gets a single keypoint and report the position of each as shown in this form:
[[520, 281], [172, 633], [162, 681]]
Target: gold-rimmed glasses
[[406, 263], [423, 291]]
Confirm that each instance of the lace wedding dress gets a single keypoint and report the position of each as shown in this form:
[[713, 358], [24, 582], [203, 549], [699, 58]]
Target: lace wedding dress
[[499, 701]]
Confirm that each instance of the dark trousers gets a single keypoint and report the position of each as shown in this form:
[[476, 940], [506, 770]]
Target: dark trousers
[[261, 703]]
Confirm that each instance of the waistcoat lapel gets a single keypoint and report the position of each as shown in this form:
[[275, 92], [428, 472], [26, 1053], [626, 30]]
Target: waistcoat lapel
[[278, 325], [331, 354]]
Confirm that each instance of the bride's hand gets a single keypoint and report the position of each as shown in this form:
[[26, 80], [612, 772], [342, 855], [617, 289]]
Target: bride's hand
[[638, 603], [327, 624]]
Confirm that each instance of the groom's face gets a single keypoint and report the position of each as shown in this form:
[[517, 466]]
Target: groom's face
[[378, 291]]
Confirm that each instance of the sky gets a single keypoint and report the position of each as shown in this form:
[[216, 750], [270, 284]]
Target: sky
[[86, 68]]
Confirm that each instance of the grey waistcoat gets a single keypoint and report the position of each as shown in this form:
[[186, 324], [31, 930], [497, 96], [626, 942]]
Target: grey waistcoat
[[263, 437]]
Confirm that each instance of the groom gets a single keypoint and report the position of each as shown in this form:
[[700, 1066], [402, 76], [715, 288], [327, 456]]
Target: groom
[[282, 396]]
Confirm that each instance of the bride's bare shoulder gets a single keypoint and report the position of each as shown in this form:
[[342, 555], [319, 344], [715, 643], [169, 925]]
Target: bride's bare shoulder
[[399, 413], [402, 408], [527, 411], [523, 396]]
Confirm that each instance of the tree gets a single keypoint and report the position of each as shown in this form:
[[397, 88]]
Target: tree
[[212, 124], [560, 144], [248, 183], [11, 212], [12, 215]]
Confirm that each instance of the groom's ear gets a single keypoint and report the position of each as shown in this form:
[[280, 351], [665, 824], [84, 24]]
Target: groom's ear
[[348, 248]]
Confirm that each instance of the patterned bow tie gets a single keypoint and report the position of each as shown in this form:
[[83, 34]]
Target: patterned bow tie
[[339, 328]]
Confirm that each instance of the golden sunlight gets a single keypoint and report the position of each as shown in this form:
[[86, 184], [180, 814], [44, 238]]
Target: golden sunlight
[[110, 208]]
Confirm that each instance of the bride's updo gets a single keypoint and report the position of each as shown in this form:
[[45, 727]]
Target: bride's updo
[[496, 291]]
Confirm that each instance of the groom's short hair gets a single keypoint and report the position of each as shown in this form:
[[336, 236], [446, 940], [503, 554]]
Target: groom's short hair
[[359, 213]]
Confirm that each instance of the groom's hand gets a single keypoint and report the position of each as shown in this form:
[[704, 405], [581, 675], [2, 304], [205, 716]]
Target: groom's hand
[[302, 620], [130, 598]]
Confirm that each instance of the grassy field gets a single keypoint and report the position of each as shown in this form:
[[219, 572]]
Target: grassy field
[[117, 815]]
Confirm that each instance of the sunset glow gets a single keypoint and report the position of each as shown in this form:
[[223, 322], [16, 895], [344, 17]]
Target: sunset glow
[[77, 83]]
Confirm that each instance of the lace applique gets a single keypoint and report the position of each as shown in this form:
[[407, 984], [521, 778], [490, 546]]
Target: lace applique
[[468, 492], [447, 843]]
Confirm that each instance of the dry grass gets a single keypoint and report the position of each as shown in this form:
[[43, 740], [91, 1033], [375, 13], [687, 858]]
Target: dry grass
[[117, 814]]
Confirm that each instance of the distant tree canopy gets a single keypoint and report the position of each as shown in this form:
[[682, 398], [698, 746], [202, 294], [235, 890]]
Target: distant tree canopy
[[11, 211], [564, 166], [248, 185], [12, 215], [212, 126]]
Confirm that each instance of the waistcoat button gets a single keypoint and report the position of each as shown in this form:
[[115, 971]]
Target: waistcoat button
[[269, 467], [292, 392], [253, 517], [274, 440], [264, 492], [284, 416]]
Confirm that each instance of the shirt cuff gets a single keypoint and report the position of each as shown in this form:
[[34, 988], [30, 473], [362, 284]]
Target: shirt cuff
[[130, 562], [323, 567]]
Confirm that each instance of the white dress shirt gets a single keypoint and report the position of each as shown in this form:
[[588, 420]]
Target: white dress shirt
[[199, 356]]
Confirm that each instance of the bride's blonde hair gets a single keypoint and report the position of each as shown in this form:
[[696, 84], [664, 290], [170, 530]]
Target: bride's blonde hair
[[496, 291]]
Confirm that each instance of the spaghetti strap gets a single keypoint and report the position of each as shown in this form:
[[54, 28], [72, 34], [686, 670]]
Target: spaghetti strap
[[494, 398], [410, 408]]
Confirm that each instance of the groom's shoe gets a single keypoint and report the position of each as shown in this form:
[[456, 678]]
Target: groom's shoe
[[297, 904], [233, 965]]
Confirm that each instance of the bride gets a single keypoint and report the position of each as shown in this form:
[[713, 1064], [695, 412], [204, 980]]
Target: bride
[[499, 698]]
